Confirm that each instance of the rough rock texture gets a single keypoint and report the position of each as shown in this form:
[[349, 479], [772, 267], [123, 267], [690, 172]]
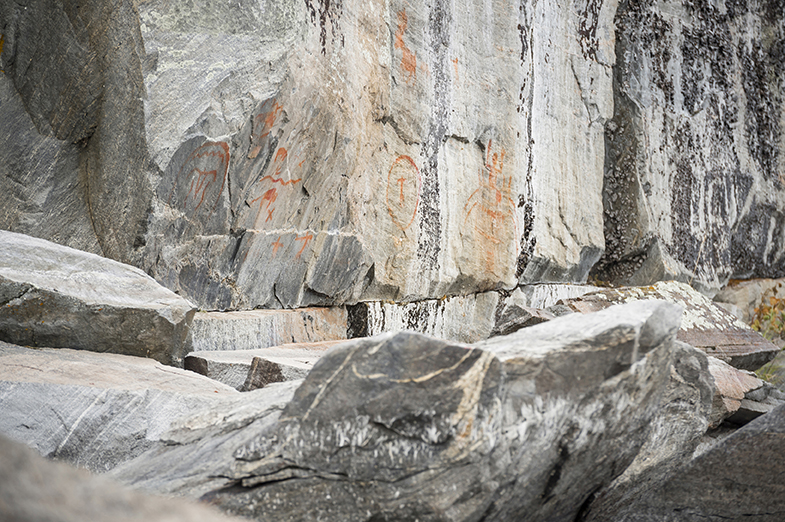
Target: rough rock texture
[[56, 296], [731, 386], [95, 410], [406, 426], [460, 319], [75, 167], [705, 326], [253, 329], [695, 172], [515, 317], [684, 415], [751, 294], [283, 154], [708, 489], [294, 153], [34, 489], [232, 367]]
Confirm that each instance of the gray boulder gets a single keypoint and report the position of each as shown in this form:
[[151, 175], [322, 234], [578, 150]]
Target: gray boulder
[[705, 325], [95, 410], [685, 413], [55, 296], [33, 489], [406, 426], [709, 487]]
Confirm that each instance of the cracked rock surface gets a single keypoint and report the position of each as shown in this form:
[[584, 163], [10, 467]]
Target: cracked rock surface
[[402, 425]]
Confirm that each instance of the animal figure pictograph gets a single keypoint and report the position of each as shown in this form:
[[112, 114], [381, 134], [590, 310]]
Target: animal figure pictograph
[[201, 179]]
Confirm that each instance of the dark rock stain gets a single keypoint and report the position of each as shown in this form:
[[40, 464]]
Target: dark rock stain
[[324, 11], [429, 242]]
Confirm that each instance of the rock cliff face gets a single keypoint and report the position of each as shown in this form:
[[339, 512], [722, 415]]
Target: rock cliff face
[[695, 177], [293, 153]]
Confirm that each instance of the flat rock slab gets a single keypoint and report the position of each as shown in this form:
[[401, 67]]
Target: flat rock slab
[[55, 296], [33, 488], [731, 387], [704, 325], [95, 410], [232, 367], [253, 329]]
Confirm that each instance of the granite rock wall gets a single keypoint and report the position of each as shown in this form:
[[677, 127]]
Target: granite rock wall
[[282, 154]]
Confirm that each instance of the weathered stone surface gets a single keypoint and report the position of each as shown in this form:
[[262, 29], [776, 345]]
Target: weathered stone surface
[[460, 319], [253, 329], [731, 386], [373, 150], [95, 410], [515, 317], [287, 153], [55, 296], [695, 178], [546, 294], [708, 488], [190, 457], [232, 367], [705, 326], [404, 425], [34, 489], [684, 414], [751, 294], [77, 69]]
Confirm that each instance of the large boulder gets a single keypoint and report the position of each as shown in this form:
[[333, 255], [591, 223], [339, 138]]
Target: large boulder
[[525, 426], [685, 412], [95, 410], [705, 325], [35, 489], [55, 296], [709, 487]]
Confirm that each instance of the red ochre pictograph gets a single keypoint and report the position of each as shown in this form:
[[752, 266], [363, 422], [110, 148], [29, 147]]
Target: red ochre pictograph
[[201, 179], [491, 208], [263, 123], [403, 191], [267, 199], [409, 59], [305, 239]]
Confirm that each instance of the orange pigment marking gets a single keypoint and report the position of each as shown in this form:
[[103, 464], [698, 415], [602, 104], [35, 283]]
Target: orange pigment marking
[[409, 59], [305, 239], [277, 245]]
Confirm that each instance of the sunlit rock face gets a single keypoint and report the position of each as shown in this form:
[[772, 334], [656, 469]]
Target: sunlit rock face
[[282, 154]]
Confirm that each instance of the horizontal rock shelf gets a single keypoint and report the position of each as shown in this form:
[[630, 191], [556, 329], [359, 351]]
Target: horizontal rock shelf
[[283, 363], [704, 325], [253, 329]]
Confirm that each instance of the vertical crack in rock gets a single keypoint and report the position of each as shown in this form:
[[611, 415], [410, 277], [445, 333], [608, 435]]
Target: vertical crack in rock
[[526, 200], [429, 243]]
